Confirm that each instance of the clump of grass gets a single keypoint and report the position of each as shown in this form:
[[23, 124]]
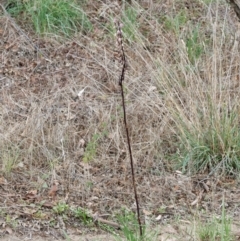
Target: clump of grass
[[9, 159], [52, 16], [201, 106], [130, 23], [213, 147], [129, 228], [216, 229]]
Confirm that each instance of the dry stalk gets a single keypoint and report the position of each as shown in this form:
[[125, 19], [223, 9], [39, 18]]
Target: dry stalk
[[122, 58]]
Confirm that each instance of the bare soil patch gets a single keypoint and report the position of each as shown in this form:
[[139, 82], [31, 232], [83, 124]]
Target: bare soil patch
[[72, 237]]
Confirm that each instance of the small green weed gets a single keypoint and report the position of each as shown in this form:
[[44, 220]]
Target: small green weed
[[82, 215], [39, 215], [2, 212], [89, 185], [11, 221], [9, 159], [52, 222], [162, 209], [61, 208], [91, 148], [175, 23], [194, 47]]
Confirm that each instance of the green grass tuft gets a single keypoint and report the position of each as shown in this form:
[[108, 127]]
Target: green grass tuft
[[216, 229], [52, 16], [214, 146]]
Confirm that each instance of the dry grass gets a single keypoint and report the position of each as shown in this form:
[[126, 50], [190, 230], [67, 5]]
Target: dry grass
[[173, 95]]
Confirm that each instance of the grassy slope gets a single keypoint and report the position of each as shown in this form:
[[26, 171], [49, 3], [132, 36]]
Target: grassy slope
[[182, 87]]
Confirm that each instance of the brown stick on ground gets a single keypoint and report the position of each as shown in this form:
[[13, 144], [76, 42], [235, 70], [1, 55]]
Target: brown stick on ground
[[96, 219], [109, 223]]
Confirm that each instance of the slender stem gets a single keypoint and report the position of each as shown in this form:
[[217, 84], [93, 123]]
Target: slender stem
[[131, 160], [121, 80]]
